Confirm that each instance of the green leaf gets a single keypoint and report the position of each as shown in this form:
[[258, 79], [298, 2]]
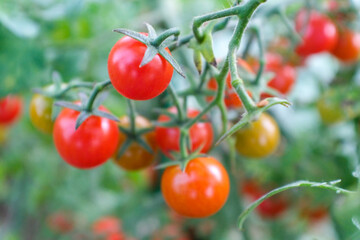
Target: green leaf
[[56, 78], [100, 98], [172, 61], [245, 119], [135, 35], [81, 118], [144, 144], [55, 111], [167, 164], [150, 53], [68, 105], [103, 114], [123, 147], [198, 61], [151, 31]]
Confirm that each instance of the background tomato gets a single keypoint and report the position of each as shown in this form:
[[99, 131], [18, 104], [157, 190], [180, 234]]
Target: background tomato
[[90, 145], [106, 225], [40, 113], [61, 222], [199, 191], [132, 81], [136, 157], [347, 48], [10, 109], [318, 31], [201, 134], [260, 139]]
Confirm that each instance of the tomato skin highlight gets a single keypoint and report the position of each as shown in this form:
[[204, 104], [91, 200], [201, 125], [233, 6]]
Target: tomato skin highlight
[[136, 157], [40, 113], [320, 33], [93, 143], [200, 191], [347, 48], [168, 139], [10, 109], [260, 139], [132, 81]]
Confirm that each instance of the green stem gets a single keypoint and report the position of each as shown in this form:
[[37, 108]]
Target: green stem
[[96, 90], [72, 86], [175, 97], [203, 76], [183, 145], [248, 46], [163, 36], [132, 116], [294, 35], [261, 55]]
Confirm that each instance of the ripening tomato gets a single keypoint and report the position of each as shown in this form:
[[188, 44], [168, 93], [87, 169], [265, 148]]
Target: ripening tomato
[[199, 191], [106, 225], [260, 139], [10, 109], [318, 31], [232, 100], [61, 222], [201, 134], [347, 48], [94, 142], [136, 157], [40, 113], [132, 81]]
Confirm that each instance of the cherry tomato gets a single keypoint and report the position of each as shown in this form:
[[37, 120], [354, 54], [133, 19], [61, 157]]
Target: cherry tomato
[[116, 236], [347, 48], [199, 191], [106, 225], [329, 110], [232, 100], [318, 31], [260, 139], [90, 145], [10, 109], [168, 139], [136, 157], [132, 81], [61, 222], [40, 113]]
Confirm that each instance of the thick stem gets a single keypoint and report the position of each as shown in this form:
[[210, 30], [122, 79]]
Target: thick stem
[[96, 90]]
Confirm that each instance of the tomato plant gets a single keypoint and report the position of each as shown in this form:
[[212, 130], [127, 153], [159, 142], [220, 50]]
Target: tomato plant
[[10, 109], [259, 139], [135, 156], [199, 191], [132, 81], [319, 33], [347, 48], [90, 145], [40, 113], [168, 138]]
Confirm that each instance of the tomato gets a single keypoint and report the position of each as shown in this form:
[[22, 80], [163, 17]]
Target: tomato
[[330, 111], [314, 213], [347, 48], [90, 145], [116, 236], [232, 100], [136, 157], [61, 222], [132, 81], [319, 33], [106, 225], [199, 191], [40, 113], [10, 109], [201, 134], [259, 139]]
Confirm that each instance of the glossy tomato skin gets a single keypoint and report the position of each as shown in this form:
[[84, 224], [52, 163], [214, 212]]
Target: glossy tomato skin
[[93, 143], [132, 81], [320, 33], [106, 225], [10, 109], [168, 139], [199, 191], [136, 157], [260, 139], [347, 48], [40, 113]]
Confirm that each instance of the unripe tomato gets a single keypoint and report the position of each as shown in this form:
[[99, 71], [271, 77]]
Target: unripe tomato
[[347, 48], [132, 81], [232, 100], [61, 222], [94, 142], [106, 225], [40, 113], [199, 191], [318, 31], [259, 139], [329, 110], [10, 109], [136, 157], [168, 139]]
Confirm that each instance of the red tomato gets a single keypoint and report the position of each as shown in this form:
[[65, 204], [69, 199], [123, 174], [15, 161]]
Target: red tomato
[[94, 142], [132, 81], [199, 191], [232, 100], [347, 48], [318, 31], [116, 236], [168, 139], [314, 214], [10, 109], [106, 225], [61, 222]]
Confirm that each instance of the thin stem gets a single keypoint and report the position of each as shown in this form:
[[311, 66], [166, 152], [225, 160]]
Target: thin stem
[[183, 145], [294, 35], [72, 86], [248, 45], [176, 100], [132, 115], [96, 90], [203, 76], [163, 36], [261, 55]]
